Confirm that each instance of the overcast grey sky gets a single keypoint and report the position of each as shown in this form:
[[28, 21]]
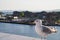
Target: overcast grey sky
[[30, 5]]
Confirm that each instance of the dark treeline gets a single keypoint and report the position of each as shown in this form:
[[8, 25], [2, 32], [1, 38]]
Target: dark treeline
[[50, 18], [28, 14]]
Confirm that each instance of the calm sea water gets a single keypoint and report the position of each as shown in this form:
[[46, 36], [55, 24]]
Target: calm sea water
[[25, 30]]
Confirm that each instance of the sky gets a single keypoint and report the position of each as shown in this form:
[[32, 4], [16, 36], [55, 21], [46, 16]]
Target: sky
[[30, 5]]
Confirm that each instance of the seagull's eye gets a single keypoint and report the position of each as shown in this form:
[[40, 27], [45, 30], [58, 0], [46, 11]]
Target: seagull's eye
[[36, 21]]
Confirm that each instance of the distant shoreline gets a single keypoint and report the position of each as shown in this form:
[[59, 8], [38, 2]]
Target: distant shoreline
[[26, 23], [27, 17]]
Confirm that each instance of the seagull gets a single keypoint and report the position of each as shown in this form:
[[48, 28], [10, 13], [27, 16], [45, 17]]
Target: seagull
[[42, 30]]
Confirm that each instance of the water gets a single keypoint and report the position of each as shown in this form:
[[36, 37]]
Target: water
[[25, 30]]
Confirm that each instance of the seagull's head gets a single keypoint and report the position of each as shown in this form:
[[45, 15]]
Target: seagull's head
[[38, 21], [53, 29]]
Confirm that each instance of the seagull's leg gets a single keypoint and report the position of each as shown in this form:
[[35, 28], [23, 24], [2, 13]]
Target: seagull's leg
[[41, 38], [45, 38]]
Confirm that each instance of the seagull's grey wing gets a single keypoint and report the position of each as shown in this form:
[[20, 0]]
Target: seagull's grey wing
[[46, 30]]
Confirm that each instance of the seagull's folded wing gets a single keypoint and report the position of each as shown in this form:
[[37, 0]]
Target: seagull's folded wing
[[46, 30]]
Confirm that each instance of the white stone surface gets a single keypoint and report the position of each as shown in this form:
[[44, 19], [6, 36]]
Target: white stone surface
[[5, 36]]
